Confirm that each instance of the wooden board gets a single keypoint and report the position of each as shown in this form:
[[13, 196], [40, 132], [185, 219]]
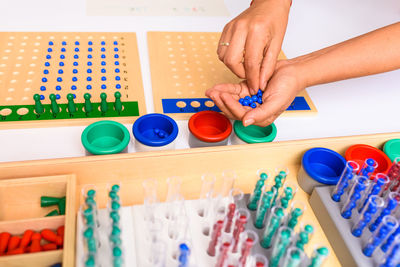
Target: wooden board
[[36, 63], [184, 65], [245, 160]]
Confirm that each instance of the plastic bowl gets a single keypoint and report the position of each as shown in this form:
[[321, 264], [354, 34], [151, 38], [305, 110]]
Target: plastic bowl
[[105, 137], [320, 166], [392, 149], [154, 132], [209, 128], [359, 153], [253, 134]]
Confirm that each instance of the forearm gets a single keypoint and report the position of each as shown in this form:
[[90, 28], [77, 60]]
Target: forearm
[[375, 52]]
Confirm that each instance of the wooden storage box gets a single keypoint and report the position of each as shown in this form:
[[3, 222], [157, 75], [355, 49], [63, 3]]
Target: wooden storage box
[[20, 210]]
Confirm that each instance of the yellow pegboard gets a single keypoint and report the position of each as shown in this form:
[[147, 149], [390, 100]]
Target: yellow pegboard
[[184, 65], [63, 63]]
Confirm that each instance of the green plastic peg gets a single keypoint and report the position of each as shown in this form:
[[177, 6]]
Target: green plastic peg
[[319, 256], [272, 227], [90, 201], [114, 216], [91, 244], [88, 211], [39, 109], [91, 193], [88, 233], [118, 103], [52, 213], [71, 104], [88, 104], [115, 187], [115, 205], [46, 201], [61, 206], [263, 176], [55, 109], [118, 262], [279, 251], [103, 104], [115, 239], [90, 261], [113, 195], [117, 252], [115, 230], [309, 229]]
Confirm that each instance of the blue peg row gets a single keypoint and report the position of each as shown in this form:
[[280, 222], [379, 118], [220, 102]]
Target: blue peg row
[[117, 70], [103, 78], [389, 224], [74, 79], [115, 43], [47, 64], [42, 88], [89, 63], [116, 63], [61, 64], [89, 79], [118, 86], [116, 49], [103, 63], [103, 49], [63, 49], [103, 86], [64, 43], [90, 43], [45, 72], [76, 43], [74, 71], [103, 70], [73, 87], [49, 50], [355, 195], [51, 43], [75, 63], [116, 56], [380, 182], [76, 56], [48, 57], [62, 57], [60, 71], [252, 101], [117, 78], [89, 70], [89, 56], [42, 97], [59, 79], [88, 87], [58, 88], [76, 49], [103, 43], [44, 79], [347, 176], [372, 206], [392, 202], [58, 96], [103, 56], [90, 49]]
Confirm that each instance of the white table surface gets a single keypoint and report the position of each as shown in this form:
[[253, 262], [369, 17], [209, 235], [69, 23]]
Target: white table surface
[[358, 106]]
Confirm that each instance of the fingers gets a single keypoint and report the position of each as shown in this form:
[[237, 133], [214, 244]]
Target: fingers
[[225, 38], [234, 53], [233, 105], [255, 44], [216, 97], [234, 89], [269, 62], [264, 114]]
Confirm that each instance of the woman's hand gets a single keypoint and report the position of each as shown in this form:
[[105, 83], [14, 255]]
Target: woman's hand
[[281, 90], [250, 43]]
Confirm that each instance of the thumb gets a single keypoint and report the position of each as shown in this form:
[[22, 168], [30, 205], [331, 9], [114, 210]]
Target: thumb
[[263, 114]]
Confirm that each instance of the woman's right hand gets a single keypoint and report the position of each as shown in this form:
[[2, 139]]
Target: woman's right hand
[[250, 43]]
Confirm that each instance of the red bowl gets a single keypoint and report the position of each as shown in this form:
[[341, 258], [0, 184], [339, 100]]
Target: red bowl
[[359, 153], [210, 126]]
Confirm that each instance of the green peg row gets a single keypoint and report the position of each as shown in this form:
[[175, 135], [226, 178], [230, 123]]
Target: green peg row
[[115, 205], [47, 201], [115, 188], [91, 193], [117, 252], [88, 233], [72, 107], [90, 261]]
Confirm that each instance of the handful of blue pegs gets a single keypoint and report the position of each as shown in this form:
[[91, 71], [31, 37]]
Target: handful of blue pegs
[[251, 101]]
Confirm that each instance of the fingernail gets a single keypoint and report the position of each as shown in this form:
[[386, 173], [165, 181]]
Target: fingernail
[[248, 122]]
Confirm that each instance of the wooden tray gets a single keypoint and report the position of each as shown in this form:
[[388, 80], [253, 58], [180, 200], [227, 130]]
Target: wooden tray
[[20, 210], [245, 160]]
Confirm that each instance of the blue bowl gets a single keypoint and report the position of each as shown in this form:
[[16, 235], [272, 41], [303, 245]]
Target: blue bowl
[[155, 130], [323, 165]]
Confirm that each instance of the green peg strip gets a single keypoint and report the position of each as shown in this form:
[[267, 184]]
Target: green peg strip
[[280, 247], [253, 201], [263, 208], [294, 218], [319, 257], [52, 110]]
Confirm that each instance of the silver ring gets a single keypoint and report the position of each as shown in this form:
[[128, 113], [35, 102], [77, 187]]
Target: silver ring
[[224, 44]]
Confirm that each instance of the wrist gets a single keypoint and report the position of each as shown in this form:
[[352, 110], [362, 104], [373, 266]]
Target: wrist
[[285, 3], [295, 69]]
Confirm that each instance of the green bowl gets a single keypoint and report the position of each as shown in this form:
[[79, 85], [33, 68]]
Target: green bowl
[[392, 149], [105, 137], [254, 134]]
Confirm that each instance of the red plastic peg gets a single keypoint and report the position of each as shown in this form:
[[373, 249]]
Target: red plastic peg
[[60, 231], [16, 251], [4, 238], [49, 246], [26, 238], [35, 246], [13, 243]]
